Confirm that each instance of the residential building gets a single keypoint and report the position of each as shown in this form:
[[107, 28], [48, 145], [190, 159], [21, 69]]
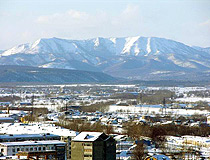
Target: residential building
[[93, 146], [6, 120], [157, 157]]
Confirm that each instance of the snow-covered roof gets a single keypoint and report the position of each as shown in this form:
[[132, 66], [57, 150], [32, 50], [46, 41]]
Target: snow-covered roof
[[27, 143], [10, 136], [36, 128], [119, 137], [87, 136], [6, 118]]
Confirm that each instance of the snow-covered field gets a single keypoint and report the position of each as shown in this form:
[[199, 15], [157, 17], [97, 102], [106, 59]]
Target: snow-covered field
[[193, 99], [50, 107], [155, 110]]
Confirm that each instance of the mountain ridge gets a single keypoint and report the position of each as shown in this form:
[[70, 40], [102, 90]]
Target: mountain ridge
[[13, 73], [131, 57]]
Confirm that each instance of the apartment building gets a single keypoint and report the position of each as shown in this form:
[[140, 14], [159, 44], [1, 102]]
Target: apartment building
[[93, 146]]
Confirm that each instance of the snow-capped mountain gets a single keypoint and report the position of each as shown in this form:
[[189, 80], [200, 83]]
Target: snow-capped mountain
[[130, 57]]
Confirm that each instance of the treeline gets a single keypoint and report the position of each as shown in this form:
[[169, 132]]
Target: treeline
[[102, 107], [156, 97], [202, 94], [81, 125], [158, 132], [9, 99], [158, 135], [123, 96], [36, 113]]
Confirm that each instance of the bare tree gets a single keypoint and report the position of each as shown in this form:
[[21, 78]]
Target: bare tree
[[139, 152]]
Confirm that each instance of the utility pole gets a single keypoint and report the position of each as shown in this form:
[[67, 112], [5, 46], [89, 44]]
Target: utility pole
[[164, 104], [66, 105], [140, 101], [32, 103]]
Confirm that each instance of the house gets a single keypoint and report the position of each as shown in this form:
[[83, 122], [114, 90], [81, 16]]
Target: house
[[208, 119], [157, 157], [93, 146], [3, 104], [6, 120]]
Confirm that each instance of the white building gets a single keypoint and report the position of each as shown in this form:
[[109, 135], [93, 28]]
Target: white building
[[12, 148], [40, 128]]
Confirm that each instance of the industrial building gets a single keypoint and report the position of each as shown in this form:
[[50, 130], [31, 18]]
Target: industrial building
[[36, 148]]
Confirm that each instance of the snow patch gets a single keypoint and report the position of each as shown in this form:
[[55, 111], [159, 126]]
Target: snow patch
[[129, 43], [148, 47], [181, 63], [160, 72]]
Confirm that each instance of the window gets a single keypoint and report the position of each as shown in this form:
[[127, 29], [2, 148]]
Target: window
[[22, 149], [87, 144], [2, 150], [87, 150], [44, 148], [26, 149], [87, 155], [31, 149], [18, 149], [13, 150], [40, 148]]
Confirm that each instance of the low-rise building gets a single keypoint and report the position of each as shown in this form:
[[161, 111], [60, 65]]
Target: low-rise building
[[28, 137], [6, 120], [41, 132], [157, 157], [13, 148]]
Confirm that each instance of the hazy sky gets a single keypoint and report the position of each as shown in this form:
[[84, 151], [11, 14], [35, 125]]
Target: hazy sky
[[23, 21]]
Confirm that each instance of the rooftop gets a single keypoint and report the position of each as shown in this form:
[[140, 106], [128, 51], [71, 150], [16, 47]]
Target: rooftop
[[27, 143], [8, 136], [88, 136], [35, 128]]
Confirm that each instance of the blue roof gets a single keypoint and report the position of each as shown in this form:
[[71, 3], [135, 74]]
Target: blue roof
[[161, 157], [150, 106]]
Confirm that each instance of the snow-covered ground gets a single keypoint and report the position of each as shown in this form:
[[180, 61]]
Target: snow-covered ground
[[155, 110], [22, 95], [193, 99]]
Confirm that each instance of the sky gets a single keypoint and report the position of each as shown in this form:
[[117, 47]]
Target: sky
[[25, 21]]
